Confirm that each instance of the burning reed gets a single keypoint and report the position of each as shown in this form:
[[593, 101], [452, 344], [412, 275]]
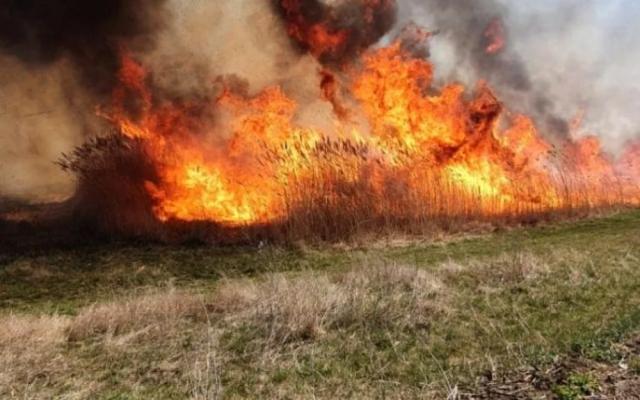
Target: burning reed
[[401, 153]]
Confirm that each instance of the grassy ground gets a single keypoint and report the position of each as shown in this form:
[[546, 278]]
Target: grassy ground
[[497, 313]]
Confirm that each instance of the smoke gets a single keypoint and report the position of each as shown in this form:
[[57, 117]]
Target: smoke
[[336, 31], [58, 60], [244, 42], [89, 33], [560, 60], [39, 119], [204, 40]]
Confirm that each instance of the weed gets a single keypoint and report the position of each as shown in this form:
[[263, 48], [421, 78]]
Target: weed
[[576, 387]]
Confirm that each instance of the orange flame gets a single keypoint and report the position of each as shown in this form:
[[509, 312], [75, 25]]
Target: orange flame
[[317, 37], [423, 152]]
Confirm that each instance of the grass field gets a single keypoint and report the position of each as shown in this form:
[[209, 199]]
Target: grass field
[[546, 312]]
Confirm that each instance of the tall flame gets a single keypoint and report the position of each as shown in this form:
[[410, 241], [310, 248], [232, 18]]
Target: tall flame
[[423, 153]]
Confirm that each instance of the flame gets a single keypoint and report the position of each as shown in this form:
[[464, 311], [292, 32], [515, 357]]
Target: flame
[[423, 152], [332, 31], [320, 39], [495, 36]]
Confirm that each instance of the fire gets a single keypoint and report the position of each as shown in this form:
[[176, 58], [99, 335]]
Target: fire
[[390, 89], [495, 36], [320, 39], [424, 152], [334, 31]]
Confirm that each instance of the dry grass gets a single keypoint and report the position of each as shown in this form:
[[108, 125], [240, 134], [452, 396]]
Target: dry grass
[[205, 379], [29, 351], [282, 309], [34, 351], [330, 331], [289, 308], [504, 270], [147, 314], [516, 268], [197, 344], [30, 270], [338, 191]]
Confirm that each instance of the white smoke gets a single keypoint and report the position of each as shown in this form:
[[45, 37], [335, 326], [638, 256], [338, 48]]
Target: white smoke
[[580, 57]]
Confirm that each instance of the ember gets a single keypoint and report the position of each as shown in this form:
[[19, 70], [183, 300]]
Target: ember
[[495, 35]]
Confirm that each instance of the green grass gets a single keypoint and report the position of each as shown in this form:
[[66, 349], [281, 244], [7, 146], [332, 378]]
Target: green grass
[[577, 386], [510, 299], [76, 277]]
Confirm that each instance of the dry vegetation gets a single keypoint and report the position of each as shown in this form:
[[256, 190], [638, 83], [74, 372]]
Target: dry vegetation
[[148, 315], [30, 348], [282, 309], [339, 193], [387, 323]]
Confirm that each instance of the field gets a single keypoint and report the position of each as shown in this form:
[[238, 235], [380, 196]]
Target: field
[[542, 312]]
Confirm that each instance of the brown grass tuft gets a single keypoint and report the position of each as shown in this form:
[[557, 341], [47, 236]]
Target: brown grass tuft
[[288, 308], [147, 314], [29, 350], [518, 268], [507, 269]]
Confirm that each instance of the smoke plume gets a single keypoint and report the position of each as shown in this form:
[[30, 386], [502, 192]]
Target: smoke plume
[[59, 60], [336, 31], [89, 33], [559, 59]]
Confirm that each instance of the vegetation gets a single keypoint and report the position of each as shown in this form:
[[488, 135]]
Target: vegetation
[[528, 312], [577, 386]]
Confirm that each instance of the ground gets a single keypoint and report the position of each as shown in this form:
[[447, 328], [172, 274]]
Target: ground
[[544, 312]]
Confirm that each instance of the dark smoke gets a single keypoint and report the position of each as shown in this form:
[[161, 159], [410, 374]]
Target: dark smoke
[[415, 40], [89, 33], [465, 24], [352, 25]]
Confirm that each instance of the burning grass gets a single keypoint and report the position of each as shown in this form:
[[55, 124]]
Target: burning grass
[[424, 159], [341, 195]]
